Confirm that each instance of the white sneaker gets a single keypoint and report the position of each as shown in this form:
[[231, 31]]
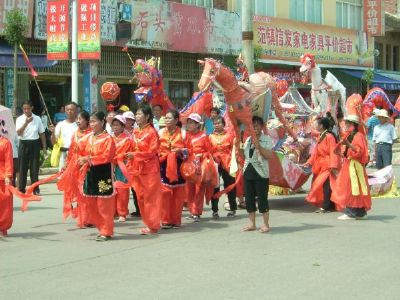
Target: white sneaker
[[121, 219], [345, 217]]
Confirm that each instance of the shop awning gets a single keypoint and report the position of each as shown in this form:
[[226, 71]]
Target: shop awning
[[379, 80], [37, 60]]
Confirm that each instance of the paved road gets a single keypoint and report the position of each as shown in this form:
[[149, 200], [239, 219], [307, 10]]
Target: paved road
[[305, 256]]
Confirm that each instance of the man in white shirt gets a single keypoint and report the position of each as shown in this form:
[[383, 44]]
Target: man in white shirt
[[383, 137], [30, 131], [65, 129]]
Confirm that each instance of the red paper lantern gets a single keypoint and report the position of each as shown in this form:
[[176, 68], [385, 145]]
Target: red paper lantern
[[109, 91]]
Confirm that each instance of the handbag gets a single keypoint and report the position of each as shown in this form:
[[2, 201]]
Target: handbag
[[56, 152]]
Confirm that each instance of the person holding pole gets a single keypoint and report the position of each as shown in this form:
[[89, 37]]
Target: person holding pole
[[30, 131]]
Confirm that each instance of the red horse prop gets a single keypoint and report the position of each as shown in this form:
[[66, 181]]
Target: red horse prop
[[238, 98]]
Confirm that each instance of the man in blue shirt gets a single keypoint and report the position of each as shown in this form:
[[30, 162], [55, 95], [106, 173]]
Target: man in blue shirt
[[383, 136], [371, 123], [209, 122], [60, 115]]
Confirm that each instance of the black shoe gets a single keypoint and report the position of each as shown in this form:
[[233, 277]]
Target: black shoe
[[215, 215], [37, 193], [231, 214], [135, 214]]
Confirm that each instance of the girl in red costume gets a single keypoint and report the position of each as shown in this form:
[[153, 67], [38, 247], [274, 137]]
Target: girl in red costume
[[6, 175], [172, 153], [123, 144], [201, 146], [325, 165], [69, 179], [145, 168], [351, 189], [96, 168], [221, 149]]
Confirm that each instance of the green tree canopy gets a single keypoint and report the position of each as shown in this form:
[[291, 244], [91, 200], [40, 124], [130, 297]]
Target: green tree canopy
[[16, 27]]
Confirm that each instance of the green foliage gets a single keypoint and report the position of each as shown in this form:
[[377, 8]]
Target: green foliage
[[368, 76], [257, 55], [16, 27]]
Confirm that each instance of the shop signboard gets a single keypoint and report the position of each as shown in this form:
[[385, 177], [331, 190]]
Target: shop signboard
[[26, 6], [40, 29], [90, 87], [108, 22], [9, 87], [57, 29], [173, 26], [89, 29], [374, 17], [287, 40]]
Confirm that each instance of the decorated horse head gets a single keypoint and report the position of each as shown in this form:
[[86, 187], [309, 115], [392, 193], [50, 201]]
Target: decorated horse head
[[307, 63]]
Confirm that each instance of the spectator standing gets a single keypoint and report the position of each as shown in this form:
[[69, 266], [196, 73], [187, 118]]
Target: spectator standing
[[60, 115], [157, 113], [209, 122], [65, 129], [384, 135], [30, 131], [110, 117], [45, 122]]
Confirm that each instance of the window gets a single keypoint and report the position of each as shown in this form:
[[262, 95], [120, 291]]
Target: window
[[204, 3], [306, 10], [396, 58], [349, 14], [378, 58], [180, 92], [388, 57], [261, 7]]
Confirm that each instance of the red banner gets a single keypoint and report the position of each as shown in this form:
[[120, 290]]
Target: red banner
[[374, 17], [57, 29], [89, 29]]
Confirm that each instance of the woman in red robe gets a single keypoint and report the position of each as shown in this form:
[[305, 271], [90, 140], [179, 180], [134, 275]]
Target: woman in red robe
[[69, 179], [201, 146], [145, 169], [172, 152], [221, 149], [123, 144], [96, 177], [325, 166], [351, 189], [6, 176]]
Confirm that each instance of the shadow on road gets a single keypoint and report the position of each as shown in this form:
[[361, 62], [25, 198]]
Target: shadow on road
[[34, 235], [18, 208], [302, 227], [295, 204], [381, 218]]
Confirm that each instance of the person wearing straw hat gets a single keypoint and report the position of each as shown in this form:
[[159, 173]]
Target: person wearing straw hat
[[383, 137], [350, 190]]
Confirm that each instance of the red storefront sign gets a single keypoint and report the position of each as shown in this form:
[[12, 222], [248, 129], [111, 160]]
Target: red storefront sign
[[89, 29], [374, 17], [57, 29]]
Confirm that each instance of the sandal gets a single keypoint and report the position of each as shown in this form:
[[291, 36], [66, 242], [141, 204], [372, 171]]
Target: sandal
[[102, 238], [249, 228], [147, 231]]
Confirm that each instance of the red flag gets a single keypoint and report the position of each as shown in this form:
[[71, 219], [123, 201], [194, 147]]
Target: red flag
[[28, 63]]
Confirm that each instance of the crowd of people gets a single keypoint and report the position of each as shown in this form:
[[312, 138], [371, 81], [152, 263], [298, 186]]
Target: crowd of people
[[169, 167]]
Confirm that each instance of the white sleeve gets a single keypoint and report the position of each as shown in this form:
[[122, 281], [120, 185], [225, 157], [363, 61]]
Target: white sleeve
[[57, 130], [40, 125], [19, 123]]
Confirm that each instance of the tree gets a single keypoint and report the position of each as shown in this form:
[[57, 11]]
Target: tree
[[368, 76], [15, 30]]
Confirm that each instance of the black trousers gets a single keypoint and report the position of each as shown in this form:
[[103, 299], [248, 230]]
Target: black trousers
[[135, 203], [327, 204], [228, 180], [383, 155], [28, 156], [256, 188]]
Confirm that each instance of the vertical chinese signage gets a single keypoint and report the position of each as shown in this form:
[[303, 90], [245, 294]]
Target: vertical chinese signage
[[90, 87], [9, 87], [374, 17], [40, 31], [89, 29], [57, 29], [108, 21]]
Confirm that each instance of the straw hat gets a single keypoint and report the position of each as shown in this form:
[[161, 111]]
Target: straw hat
[[129, 115], [124, 108], [382, 113], [195, 117], [352, 118], [161, 122], [120, 118]]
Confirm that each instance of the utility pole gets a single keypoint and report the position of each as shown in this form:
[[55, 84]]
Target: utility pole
[[247, 34], [75, 62]]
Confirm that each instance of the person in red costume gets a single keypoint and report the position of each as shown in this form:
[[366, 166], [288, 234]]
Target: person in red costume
[[351, 189], [221, 150], [145, 169], [68, 181], [96, 176], [201, 146], [173, 151], [123, 144], [325, 167], [6, 175]]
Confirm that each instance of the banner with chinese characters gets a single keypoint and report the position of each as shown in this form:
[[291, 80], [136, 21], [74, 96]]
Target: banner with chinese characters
[[57, 29], [27, 9], [40, 28], [173, 26], [287, 40], [89, 29], [374, 17], [108, 21], [9, 87]]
